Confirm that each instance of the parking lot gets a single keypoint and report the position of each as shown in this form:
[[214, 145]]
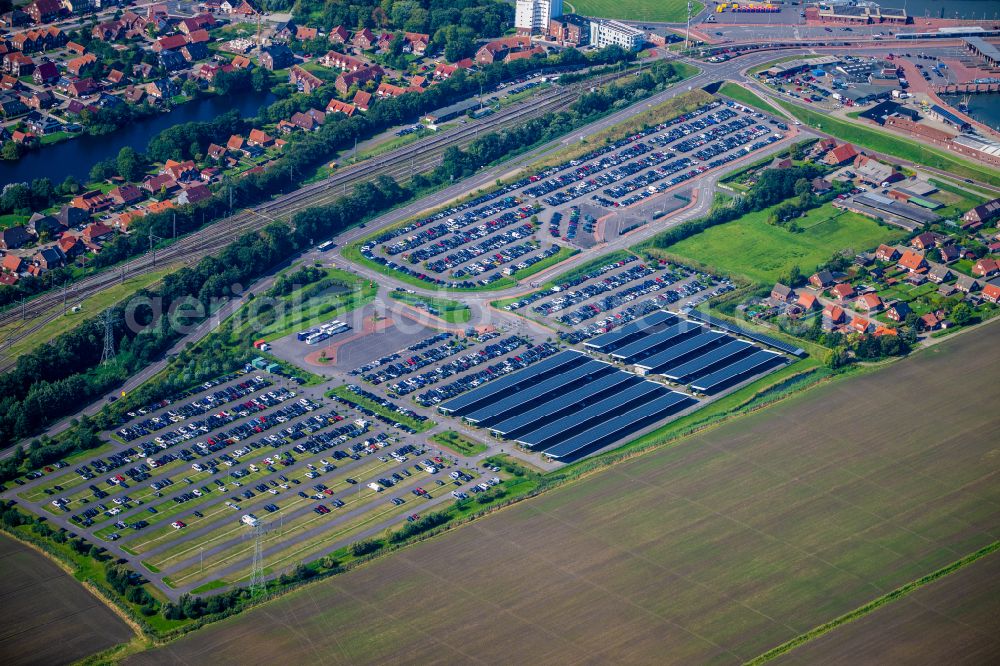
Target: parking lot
[[502, 234]]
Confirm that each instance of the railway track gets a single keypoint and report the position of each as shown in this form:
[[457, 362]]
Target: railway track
[[400, 164]]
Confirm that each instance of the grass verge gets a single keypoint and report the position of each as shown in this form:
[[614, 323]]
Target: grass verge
[[458, 443]]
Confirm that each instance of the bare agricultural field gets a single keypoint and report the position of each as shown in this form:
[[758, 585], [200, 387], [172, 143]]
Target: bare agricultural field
[[47, 617], [713, 550], [954, 620]]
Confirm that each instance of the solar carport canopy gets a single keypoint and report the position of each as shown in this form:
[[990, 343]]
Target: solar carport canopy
[[656, 342], [553, 432], [499, 388], [622, 425], [546, 389], [678, 352], [738, 371], [709, 360], [625, 334], [540, 414]]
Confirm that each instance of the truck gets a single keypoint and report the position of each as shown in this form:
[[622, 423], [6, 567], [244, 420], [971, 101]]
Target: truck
[[374, 486], [250, 519]]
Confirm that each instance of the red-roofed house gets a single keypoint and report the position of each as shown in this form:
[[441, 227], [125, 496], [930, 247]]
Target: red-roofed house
[[870, 302], [991, 291], [96, 231], [807, 300], [339, 35], [834, 313], [842, 154], [126, 195], [362, 100], [91, 202], [859, 325], [169, 43], [499, 49], [389, 90], [886, 253], [259, 138], [363, 39], [985, 267], [336, 106], [842, 291], [913, 262], [305, 81]]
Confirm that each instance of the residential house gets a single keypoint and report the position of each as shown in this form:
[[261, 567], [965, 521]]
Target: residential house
[[124, 220], [339, 35], [161, 89], [842, 291], [417, 41], [939, 274], [244, 9], [304, 81], [9, 279], [44, 11], [172, 60], [985, 267], [310, 121], [782, 293], [389, 90], [807, 300], [860, 324], [96, 231], [77, 66], [49, 258], [343, 62], [109, 31], [950, 253], [70, 246], [193, 194], [336, 106], [194, 51], [160, 183], [180, 171], [259, 138], [358, 78], [92, 202], [78, 49], [872, 172], [23, 138], [199, 37], [897, 311], [869, 302], [45, 74], [160, 206], [202, 21], [241, 62], [362, 100], [364, 39], [913, 262], [126, 195], [499, 49], [14, 237], [930, 322], [834, 314], [277, 56], [821, 185], [40, 224], [983, 214], [41, 99], [18, 64], [215, 152], [967, 284], [235, 143], [925, 241], [71, 216], [886, 253], [842, 154], [991, 291], [83, 87], [12, 264], [135, 95], [169, 43], [443, 71], [524, 55], [821, 279]]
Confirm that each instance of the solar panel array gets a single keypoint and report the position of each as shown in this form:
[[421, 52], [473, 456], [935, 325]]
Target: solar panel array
[[568, 404], [746, 333], [633, 331]]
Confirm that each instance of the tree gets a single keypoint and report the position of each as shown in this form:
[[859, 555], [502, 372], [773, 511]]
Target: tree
[[961, 314], [131, 165], [258, 79], [11, 151]]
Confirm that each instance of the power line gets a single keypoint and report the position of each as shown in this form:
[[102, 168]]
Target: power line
[[257, 567], [108, 356]]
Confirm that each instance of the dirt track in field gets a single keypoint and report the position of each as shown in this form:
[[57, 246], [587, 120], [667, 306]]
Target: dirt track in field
[[955, 620], [47, 617], [714, 550]]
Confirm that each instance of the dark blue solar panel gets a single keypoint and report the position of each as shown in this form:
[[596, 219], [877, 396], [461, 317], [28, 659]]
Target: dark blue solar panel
[[704, 362], [656, 341], [622, 425], [546, 389], [609, 339], [607, 408], [676, 353], [746, 333], [469, 401], [745, 367]]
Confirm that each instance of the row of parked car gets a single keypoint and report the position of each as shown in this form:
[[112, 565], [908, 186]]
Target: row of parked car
[[411, 364], [473, 379], [458, 365]]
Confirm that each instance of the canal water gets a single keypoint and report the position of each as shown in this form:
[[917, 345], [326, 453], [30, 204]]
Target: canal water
[[967, 9], [76, 156]]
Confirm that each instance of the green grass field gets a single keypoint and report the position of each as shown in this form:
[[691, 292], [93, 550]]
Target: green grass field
[[671, 11], [450, 311], [748, 97], [762, 252], [458, 442], [891, 144]]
